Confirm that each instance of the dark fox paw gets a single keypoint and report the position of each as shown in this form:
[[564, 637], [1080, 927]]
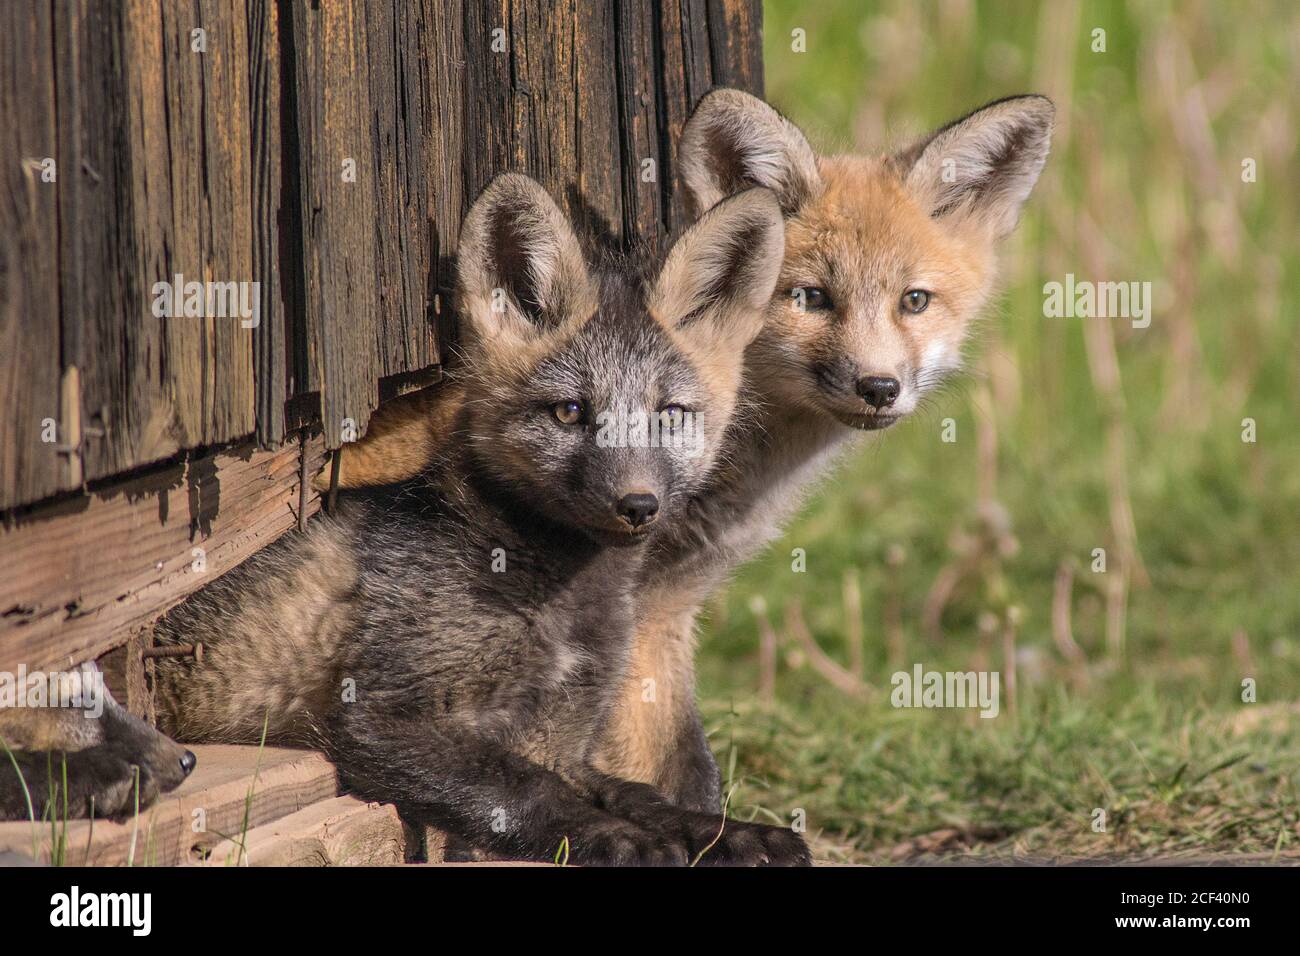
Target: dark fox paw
[[619, 843], [710, 838], [751, 844], [714, 840]]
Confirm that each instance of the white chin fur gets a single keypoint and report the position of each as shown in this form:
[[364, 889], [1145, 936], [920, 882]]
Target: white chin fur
[[939, 358]]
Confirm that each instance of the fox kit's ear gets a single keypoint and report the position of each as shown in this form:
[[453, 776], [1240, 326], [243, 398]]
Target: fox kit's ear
[[720, 275], [520, 268], [734, 141], [982, 165]]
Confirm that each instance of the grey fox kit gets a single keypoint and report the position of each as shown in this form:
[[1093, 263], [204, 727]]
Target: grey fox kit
[[455, 643]]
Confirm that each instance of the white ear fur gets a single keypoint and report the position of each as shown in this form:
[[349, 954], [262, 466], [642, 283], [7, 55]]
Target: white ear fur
[[734, 141], [520, 268], [983, 165], [720, 275]]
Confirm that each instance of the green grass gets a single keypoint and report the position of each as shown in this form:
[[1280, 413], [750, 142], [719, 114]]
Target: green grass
[[1154, 732]]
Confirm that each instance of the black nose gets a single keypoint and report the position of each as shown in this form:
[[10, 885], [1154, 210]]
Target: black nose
[[878, 391], [639, 509], [188, 760]]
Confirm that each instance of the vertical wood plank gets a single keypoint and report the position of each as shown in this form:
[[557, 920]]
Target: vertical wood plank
[[405, 338], [188, 131], [684, 78], [29, 240], [156, 136], [442, 73], [487, 85], [365, 93], [547, 101], [119, 387], [702, 44], [736, 44], [639, 89], [593, 189], [340, 304], [272, 235]]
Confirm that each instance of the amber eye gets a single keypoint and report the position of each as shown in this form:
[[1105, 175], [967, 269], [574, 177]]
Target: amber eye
[[915, 300], [811, 298], [567, 413], [672, 416]]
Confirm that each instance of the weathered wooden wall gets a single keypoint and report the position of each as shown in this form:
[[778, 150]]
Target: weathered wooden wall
[[325, 150]]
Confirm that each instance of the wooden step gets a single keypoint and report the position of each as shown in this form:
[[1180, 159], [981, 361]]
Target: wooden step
[[342, 831]]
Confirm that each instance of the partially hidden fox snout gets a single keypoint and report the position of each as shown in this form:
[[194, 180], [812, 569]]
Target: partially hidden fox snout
[[112, 761]]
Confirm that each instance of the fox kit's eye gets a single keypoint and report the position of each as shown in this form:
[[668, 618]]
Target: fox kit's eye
[[810, 299], [567, 413], [672, 416], [915, 300]]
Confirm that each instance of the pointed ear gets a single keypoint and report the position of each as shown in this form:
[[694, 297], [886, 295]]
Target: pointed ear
[[983, 165], [520, 268], [720, 275], [734, 141]]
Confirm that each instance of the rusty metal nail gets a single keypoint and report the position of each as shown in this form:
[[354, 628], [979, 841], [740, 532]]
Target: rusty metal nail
[[302, 480], [175, 650], [334, 480]]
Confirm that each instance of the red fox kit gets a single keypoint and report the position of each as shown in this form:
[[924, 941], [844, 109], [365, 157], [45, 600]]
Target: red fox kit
[[887, 261]]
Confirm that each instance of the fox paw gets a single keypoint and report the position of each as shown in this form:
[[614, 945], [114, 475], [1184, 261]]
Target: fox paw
[[710, 838], [619, 843], [751, 844], [713, 840]]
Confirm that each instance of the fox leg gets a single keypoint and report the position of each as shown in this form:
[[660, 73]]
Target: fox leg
[[688, 775], [490, 796], [654, 734]]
